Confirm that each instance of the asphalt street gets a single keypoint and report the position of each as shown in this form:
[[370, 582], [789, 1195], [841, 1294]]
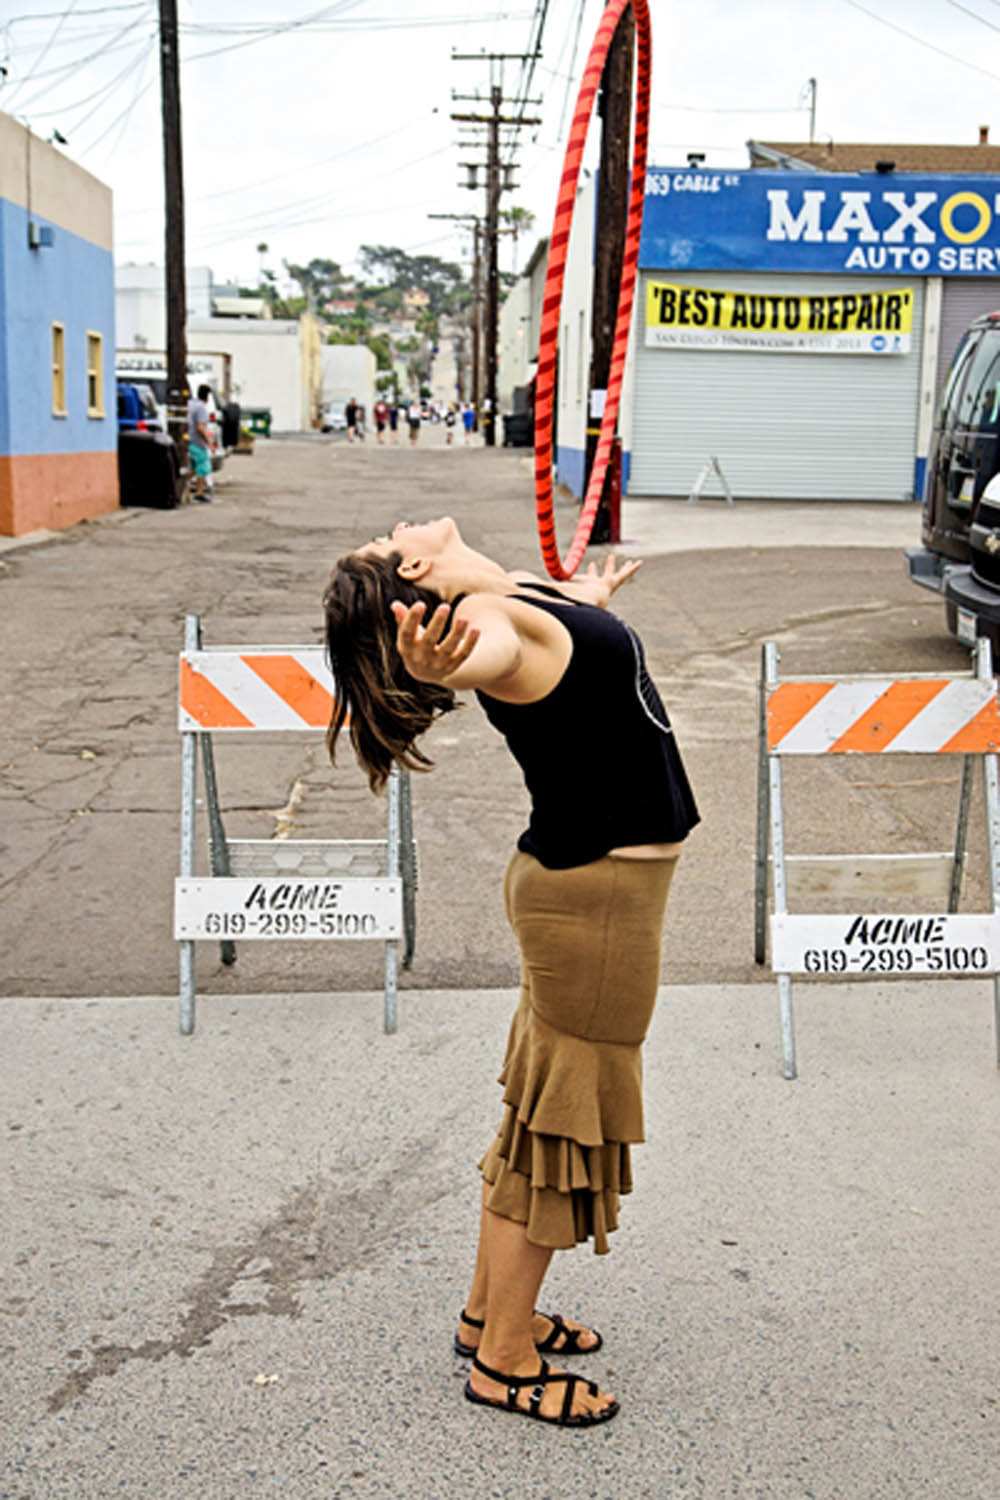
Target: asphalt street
[[90, 782], [230, 1263]]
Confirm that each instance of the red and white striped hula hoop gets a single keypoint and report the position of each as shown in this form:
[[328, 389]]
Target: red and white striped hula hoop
[[552, 296]]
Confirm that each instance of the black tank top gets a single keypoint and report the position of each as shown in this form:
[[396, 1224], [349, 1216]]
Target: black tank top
[[598, 753]]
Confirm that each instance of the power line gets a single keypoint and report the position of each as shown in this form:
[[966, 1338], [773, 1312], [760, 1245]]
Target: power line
[[374, 24], [79, 62], [63, 110], [974, 14], [137, 61], [309, 166], [920, 41], [572, 67], [52, 15], [51, 42], [142, 87], [315, 199]]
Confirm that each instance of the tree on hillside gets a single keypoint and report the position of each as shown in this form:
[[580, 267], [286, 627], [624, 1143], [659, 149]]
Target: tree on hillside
[[442, 280], [321, 280]]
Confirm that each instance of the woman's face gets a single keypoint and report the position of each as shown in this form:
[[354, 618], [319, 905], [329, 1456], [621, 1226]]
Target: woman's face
[[424, 539]]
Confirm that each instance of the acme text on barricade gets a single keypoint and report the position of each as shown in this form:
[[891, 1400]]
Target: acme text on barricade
[[275, 907], [935, 943], [698, 317]]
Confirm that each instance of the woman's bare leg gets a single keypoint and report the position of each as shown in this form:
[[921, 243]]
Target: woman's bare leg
[[476, 1304], [514, 1270]]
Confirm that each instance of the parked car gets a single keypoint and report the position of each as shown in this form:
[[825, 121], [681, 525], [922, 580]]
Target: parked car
[[334, 417], [226, 433], [960, 556], [149, 471]]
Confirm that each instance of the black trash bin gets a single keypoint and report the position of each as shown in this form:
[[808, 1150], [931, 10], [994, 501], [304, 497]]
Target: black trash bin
[[148, 470]]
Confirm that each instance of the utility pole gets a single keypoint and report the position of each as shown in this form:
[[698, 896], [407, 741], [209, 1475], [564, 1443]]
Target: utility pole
[[615, 110], [474, 222], [492, 267], [477, 306], [173, 183], [497, 181], [811, 86]]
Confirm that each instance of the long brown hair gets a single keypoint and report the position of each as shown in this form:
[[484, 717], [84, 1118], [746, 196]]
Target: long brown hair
[[387, 709]]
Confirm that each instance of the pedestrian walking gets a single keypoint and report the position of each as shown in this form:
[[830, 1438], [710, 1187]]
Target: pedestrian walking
[[468, 420], [381, 414], [201, 444], [413, 418], [351, 418], [449, 424], [394, 421], [411, 618]]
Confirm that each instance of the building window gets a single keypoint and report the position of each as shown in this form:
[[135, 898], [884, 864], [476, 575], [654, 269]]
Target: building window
[[58, 370], [95, 375]]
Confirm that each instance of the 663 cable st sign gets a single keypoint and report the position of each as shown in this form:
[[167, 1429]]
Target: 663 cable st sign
[[273, 907]]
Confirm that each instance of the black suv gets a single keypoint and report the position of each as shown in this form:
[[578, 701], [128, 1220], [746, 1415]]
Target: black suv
[[960, 558]]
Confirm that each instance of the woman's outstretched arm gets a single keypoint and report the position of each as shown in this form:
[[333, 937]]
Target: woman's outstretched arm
[[469, 656], [595, 586]]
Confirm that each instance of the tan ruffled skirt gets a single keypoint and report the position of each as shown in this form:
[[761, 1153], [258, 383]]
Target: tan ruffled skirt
[[572, 1075]]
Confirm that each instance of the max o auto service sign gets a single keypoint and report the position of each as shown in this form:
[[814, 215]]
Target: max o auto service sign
[[896, 224], [697, 317]]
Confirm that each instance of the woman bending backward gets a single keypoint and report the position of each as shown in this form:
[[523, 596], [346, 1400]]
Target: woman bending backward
[[412, 618]]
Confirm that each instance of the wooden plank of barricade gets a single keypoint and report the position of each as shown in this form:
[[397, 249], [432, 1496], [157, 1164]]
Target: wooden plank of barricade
[[862, 877], [926, 714], [285, 889]]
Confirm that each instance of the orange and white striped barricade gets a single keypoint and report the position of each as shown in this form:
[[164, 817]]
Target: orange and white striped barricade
[[286, 889], [873, 715]]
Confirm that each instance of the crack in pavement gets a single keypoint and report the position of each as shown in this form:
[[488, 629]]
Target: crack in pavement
[[315, 1234]]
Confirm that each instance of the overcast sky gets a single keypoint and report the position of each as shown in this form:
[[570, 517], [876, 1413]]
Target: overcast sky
[[335, 132]]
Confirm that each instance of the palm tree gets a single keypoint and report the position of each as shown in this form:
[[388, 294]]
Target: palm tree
[[518, 221]]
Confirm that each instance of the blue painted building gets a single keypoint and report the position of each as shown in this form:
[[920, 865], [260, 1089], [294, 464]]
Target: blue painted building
[[58, 421]]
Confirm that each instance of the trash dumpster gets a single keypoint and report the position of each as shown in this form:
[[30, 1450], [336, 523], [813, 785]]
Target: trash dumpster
[[258, 419]]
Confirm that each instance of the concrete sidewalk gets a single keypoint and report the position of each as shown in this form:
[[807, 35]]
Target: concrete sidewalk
[[231, 1263]]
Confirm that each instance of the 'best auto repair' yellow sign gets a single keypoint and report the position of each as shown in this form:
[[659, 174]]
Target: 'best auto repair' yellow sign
[[699, 317]]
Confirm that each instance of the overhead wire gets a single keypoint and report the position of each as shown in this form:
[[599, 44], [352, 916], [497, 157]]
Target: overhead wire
[[142, 87], [974, 14], [48, 45], [63, 110], [315, 199], [116, 45], [922, 41], [572, 68]]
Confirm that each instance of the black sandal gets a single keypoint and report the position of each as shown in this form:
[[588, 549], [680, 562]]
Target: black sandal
[[517, 1383], [548, 1343]]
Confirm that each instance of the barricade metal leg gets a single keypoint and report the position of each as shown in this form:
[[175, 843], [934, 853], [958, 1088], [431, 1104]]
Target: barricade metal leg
[[189, 778], [390, 1007], [778, 876], [992, 787], [962, 832], [218, 847], [760, 870], [408, 863]]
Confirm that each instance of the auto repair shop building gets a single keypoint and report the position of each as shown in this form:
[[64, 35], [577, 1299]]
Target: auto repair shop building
[[795, 324]]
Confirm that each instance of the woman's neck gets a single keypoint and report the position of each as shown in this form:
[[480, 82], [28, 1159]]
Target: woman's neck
[[475, 575]]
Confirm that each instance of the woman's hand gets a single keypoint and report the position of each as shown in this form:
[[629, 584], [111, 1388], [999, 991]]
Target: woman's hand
[[428, 653], [613, 577], [598, 586]]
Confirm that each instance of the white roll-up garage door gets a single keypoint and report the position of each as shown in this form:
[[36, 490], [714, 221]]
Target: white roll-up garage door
[[963, 298], [783, 426]]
